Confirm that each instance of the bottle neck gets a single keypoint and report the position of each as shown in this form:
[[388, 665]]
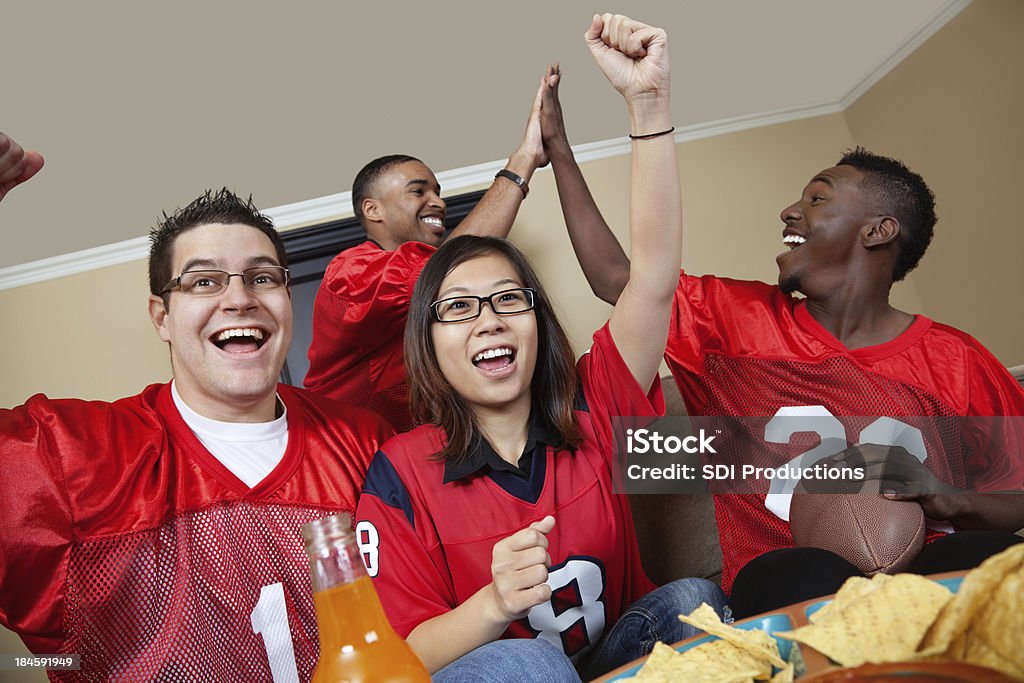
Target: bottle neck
[[348, 610], [335, 564]]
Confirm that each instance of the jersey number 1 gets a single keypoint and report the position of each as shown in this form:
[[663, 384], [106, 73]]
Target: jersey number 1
[[270, 620]]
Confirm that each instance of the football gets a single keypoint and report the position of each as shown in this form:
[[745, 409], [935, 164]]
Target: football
[[871, 532]]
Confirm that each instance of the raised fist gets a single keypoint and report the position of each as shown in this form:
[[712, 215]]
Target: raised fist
[[632, 55]]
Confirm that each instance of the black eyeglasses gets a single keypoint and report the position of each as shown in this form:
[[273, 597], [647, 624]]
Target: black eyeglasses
[[461, 308], [211, 282]]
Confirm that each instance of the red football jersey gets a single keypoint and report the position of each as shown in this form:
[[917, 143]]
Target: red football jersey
[[747, 349], [124, 540], [358, 327], [428, 544]]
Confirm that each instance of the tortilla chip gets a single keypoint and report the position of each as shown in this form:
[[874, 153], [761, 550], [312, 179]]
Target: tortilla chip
[[756, 642], [994, 636], [976, 591], [885, 619], [885, 625], [659, 665], [852, 589], [715, 662], [729, 660]]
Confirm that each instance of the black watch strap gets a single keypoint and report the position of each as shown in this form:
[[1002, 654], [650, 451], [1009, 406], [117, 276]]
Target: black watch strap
[[515, 178]]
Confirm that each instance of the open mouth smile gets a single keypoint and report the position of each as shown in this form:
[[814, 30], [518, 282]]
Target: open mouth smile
[[495, 362], [239, 339], [436, 223], [793, 240]]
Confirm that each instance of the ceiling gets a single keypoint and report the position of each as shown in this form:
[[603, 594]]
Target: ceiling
[[139, 106]]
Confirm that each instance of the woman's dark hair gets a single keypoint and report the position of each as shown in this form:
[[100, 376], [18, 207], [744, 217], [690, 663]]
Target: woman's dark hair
[[553, 387]]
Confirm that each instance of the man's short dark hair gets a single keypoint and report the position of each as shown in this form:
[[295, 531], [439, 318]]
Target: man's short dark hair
[[362, 186], [904, 195], [223, 206]]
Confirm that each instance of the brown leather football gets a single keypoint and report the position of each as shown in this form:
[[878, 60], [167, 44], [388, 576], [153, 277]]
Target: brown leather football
[[870, 531]]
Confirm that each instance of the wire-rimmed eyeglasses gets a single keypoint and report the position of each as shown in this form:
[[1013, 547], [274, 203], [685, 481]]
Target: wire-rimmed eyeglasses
[[211, 282]]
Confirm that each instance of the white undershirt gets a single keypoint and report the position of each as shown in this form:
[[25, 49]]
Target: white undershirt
[[249, 450]]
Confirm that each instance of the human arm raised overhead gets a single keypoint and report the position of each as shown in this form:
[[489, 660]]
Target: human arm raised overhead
[[604, 263], [634, 57]]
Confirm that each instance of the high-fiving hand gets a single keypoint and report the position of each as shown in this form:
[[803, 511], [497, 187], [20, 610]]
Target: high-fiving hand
[[532, 147], [551, 124]]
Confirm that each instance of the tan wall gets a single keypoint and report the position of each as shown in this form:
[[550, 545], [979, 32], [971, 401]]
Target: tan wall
[[952, 111], [86, 335], [12, 645]]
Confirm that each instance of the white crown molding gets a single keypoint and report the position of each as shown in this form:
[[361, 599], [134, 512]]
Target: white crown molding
[[76, 262], [311, 211], [333, 206], [939, 18]]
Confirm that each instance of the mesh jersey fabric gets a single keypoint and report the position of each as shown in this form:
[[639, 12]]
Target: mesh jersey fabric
[[359, 314], [428, 545], [124, 540], [739, 348]]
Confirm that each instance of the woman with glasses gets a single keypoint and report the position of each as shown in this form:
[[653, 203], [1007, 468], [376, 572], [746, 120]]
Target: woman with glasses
[[495, 540]]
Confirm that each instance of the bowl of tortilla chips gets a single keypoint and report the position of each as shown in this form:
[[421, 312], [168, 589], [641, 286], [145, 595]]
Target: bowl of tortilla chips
[[899, 627]]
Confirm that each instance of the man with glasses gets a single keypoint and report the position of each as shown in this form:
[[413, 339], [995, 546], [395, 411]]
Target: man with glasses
[[360, 310], [157, 537]]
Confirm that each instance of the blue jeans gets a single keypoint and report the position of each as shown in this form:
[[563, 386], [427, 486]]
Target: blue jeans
[[648, 620], [530, 660]]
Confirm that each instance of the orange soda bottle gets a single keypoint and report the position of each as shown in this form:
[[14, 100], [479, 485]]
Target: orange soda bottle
[[357, 644]]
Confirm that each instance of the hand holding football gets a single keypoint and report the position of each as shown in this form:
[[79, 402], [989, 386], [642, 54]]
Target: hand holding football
[[868, 530]]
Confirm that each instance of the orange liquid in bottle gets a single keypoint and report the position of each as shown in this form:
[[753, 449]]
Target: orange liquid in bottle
[[357, 644]]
